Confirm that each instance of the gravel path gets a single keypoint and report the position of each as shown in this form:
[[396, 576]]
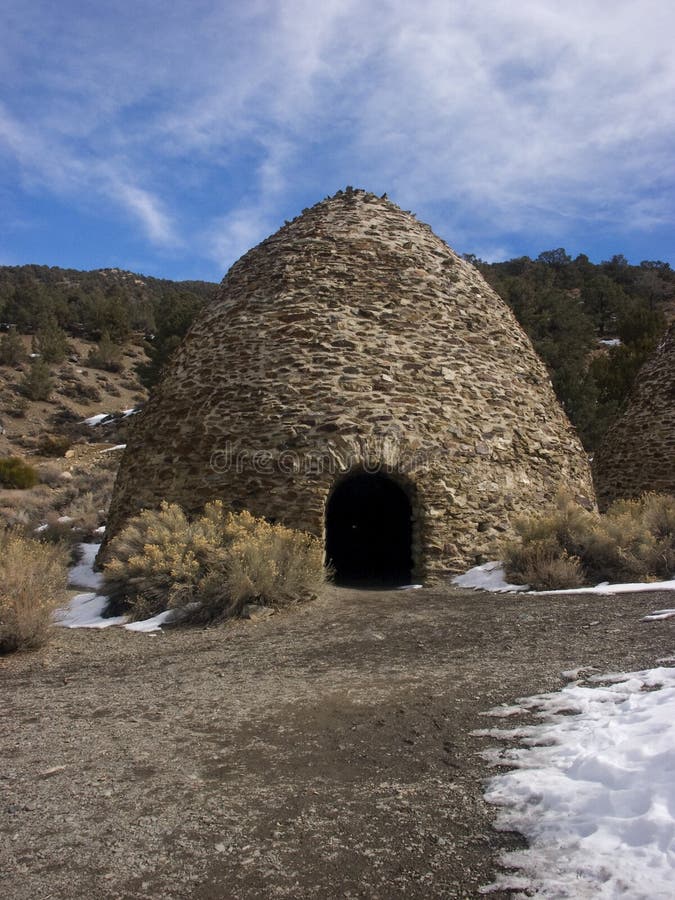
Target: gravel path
[[324, 752]]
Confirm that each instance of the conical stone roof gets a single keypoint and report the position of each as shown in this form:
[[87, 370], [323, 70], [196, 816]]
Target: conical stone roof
[[354, 338], [637, 453]]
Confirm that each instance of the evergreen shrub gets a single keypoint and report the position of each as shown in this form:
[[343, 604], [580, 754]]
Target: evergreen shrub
[[107, 355], [37, 382], [12, 351], [15, 473]]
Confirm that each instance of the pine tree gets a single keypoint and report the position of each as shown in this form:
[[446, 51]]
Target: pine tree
[[107, 355], [37, 382], [50, 341], [12, 351]]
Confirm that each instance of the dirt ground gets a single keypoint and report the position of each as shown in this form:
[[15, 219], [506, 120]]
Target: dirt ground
[[323, 752]]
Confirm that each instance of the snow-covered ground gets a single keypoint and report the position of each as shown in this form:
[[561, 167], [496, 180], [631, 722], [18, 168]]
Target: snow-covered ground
[[93, 421], [86, 610], [97, 419], [593, 790], [83, 575], [490, 577]]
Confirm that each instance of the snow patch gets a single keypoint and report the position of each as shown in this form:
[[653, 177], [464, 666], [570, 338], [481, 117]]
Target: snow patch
[[97, 419], [110, 417], [488, 577], [593, 791], [82, 575], [659, 614], [86, 611], [154, 624], [606, 588]]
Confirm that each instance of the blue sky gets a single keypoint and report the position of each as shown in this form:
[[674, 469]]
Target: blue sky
[[169, 137]]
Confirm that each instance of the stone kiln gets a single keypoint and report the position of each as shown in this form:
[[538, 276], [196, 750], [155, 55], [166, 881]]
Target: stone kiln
[[355, 378], [638, 452]]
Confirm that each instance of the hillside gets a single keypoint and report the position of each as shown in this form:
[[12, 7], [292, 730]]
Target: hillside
[[593, 325], [91, 302], [74, 461], [78, 390]]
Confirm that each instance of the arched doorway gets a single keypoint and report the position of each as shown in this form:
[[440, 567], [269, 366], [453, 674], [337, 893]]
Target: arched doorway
[[369, 531]]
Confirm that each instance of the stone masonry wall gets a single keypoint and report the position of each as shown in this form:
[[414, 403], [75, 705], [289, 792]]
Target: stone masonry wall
[[351, 338], [638, 451]]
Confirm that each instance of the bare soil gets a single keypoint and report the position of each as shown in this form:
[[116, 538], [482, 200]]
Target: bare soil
[[324, 752], [79, 391]]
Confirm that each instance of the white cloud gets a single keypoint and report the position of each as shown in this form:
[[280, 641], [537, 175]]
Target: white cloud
[[497, 253], [49, 164], [148, 210], [514, 116], [232, 235]]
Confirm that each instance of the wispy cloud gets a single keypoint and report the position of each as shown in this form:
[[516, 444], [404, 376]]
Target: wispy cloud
[[45, 163], [148, 210], [491, 118], [232, 235]]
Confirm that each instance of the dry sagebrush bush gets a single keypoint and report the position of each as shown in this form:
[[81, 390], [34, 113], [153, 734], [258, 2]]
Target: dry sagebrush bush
[[152, 565], [644, 533], [33, 580], [568, 546], [270, 563], [81, 494], [212, 564], [53, 445], [544, 565]]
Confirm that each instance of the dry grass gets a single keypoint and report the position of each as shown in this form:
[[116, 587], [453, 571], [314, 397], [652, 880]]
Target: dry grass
[[86, 511], [50, 473], [26, 508], [568, 546], [211, 565], [80, 494], [33, 580]]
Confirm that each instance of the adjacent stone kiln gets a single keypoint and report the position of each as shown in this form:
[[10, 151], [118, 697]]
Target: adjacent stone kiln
[[637, 453], [355, 378]]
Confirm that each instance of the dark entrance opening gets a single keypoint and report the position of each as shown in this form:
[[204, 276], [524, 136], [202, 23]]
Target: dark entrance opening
[[369, 531]]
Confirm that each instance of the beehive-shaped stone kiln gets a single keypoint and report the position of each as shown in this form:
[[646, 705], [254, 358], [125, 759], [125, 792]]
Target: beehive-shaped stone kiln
[[637, 453], [355, 378]]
